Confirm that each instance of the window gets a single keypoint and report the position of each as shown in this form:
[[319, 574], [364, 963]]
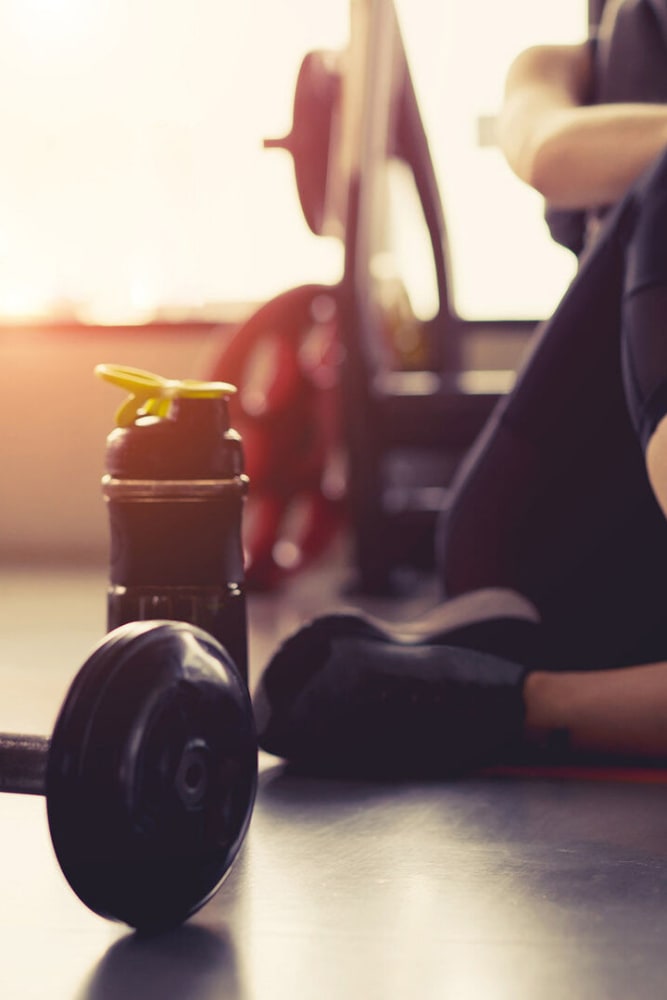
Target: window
[[134, 185], [505, 265], [133, 182]]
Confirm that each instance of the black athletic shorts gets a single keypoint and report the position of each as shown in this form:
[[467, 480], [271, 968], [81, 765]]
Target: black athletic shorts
[[553, 500]]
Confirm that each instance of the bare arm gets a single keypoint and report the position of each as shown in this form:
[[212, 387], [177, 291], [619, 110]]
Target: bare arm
[[576, 157]]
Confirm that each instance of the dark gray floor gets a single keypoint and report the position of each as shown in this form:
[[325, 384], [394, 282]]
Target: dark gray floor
[[498, 888]]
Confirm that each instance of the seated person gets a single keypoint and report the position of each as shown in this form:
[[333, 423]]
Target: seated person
[[552, 638]]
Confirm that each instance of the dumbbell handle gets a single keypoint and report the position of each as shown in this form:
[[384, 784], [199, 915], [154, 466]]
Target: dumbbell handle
[[23, 763]]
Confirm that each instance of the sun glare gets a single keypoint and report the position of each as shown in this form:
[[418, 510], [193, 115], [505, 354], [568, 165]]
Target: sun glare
[[133, 180], [51, 24]]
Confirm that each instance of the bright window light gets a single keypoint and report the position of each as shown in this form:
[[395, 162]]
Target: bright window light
[[505, 264], [133, 181]]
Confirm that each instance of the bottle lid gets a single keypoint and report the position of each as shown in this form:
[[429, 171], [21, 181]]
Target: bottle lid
[[152, 395]]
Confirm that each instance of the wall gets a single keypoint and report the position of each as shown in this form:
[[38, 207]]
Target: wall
[[54, 418], [55, 415]]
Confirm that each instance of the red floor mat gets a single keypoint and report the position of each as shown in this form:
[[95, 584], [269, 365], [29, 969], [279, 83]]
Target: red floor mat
[[580, 772]]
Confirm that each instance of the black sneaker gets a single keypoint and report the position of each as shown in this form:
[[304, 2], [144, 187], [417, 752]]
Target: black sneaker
[[346, 701], [493, 620]]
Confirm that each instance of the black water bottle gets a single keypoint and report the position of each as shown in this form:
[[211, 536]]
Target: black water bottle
[[174, 487]]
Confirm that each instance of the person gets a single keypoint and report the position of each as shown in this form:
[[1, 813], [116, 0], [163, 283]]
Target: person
[[551, 642]]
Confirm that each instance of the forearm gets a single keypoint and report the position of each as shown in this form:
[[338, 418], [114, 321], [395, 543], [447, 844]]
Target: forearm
[[577, 155], [590, 156]]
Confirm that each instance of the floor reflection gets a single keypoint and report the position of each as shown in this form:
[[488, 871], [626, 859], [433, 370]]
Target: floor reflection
[[192, 962]]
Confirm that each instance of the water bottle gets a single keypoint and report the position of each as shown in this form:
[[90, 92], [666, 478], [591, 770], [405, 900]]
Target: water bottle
[[174, 487]]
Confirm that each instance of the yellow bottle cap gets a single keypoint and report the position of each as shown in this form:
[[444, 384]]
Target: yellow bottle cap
[[151, 395]]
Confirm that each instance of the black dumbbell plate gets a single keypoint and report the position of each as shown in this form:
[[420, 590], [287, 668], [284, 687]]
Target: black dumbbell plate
[[152, 774]]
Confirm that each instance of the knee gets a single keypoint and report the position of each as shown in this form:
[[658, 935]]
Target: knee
[[656, 463]]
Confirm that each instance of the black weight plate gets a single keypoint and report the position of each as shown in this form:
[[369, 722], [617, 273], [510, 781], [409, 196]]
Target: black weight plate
[[152, 774], [316, 95]]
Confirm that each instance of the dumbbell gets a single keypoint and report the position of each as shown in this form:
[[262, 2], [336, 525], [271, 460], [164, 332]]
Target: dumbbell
[[149, 776]]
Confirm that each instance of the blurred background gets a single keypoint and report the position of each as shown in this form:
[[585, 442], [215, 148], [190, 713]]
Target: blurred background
[[141, 219]]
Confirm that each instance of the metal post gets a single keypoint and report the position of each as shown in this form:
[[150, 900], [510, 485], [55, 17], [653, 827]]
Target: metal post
[[23, 763]]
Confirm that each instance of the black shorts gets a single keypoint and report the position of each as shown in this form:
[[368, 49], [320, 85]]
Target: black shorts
[[553, 500]]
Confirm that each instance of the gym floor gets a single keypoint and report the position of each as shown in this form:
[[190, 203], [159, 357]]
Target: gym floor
[[497, 887]]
